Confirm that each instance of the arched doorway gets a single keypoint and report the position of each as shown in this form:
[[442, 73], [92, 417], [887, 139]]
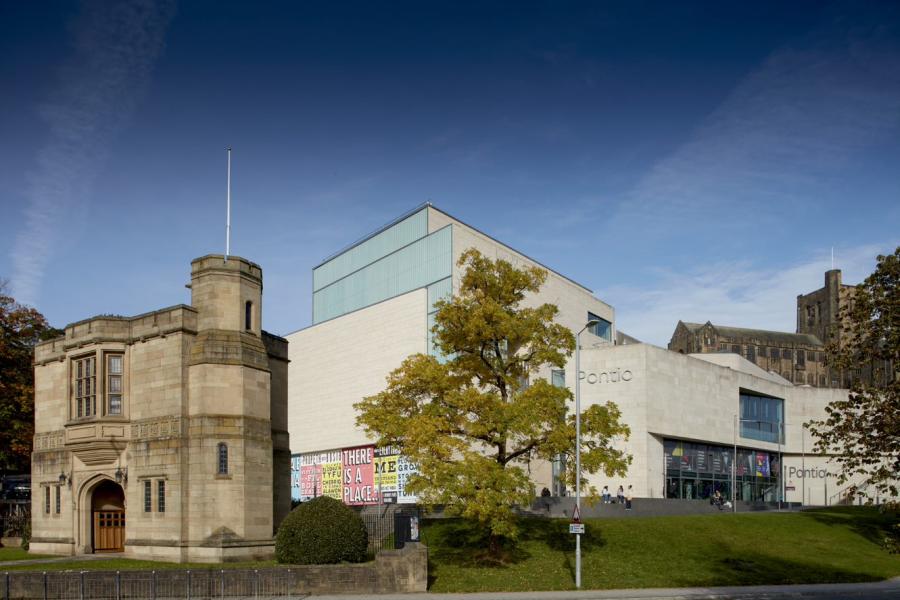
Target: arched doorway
[[108, 517]]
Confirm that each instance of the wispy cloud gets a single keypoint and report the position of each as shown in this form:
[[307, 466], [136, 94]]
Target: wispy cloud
[[115, 48], [736, 294], [781, 135]]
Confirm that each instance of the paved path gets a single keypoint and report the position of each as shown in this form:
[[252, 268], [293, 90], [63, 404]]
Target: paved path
[[55, 559], [882, 590]]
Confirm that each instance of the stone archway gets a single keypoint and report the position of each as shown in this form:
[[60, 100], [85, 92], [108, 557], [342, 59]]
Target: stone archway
[[108, 517]]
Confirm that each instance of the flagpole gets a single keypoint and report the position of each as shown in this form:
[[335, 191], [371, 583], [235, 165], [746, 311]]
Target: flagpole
[[228, 211]]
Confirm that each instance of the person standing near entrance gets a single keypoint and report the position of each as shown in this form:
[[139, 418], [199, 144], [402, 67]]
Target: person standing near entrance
[[628, 498]]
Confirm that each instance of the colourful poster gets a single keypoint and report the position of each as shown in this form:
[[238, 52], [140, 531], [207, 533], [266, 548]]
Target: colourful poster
[[386, 473], [358, 475], [405, 469], [762, 464], [319, 475], [392, 470], [295, 476]]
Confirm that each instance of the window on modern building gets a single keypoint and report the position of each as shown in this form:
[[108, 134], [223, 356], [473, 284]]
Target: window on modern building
[[161, 495], [58, 498], [602, 329], [751, 353], [775, 354], [558, 377], [761, 417], [85, 389], [248, 315], [801, 358], [47, 500], [148, 495], [223, 458], [114, 384]]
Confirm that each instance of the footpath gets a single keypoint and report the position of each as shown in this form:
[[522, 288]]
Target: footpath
[[881, 590]]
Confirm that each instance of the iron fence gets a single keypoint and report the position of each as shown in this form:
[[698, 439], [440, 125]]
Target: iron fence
[[14, 525], [381, 524], [170, 584]]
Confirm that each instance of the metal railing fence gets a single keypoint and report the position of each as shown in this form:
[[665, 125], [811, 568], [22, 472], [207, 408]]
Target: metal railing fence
[[168, 584], [380, 523]]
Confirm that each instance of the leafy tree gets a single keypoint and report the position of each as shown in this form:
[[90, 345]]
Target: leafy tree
[[473, 421], [21, 327], [863, 430]]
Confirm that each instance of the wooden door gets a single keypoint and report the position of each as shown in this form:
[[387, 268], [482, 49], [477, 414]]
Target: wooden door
[[109, 531]]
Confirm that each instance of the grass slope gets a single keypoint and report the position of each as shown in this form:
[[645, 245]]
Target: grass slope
[[16, 553], [833, 545]]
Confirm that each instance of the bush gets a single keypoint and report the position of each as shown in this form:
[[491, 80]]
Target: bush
[[321, 531]]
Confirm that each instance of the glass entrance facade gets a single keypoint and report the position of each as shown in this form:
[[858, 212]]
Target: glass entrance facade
[[695, 471]]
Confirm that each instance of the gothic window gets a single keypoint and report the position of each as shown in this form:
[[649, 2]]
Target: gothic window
[[114, 364], [248, 315], [223, 459], [161, 496], [148, 495], [84, 373]]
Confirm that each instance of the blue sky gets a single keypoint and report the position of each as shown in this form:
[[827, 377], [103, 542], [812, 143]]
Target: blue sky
[[684, 160]]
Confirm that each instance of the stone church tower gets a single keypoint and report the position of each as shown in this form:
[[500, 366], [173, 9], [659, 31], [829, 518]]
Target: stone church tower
[[165, 435]]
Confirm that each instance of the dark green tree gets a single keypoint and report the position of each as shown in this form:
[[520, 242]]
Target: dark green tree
[[862, 431], [21, 327]]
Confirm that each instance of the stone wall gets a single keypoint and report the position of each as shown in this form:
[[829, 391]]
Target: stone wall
[[392, 571]]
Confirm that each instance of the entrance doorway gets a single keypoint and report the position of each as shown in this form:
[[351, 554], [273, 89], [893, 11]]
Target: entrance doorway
[[108, 517]]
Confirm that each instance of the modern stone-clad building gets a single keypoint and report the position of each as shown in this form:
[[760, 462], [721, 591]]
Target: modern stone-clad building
[[703, 421], [797, 357], [373, 306], [165, 435]]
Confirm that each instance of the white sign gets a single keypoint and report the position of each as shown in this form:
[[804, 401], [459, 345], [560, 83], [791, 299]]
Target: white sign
[[576, 528]]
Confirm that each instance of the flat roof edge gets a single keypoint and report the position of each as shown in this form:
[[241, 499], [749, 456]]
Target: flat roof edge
[[369, 236]]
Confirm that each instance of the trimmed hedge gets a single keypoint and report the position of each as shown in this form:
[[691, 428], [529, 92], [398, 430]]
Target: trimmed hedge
[[321, 531]]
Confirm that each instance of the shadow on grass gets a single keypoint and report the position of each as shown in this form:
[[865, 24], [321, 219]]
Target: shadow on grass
[[751, 568], [464, 544], [867, 522]]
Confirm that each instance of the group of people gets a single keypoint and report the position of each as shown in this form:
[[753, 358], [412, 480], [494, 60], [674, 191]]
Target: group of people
[[719, 501], [622, 496]]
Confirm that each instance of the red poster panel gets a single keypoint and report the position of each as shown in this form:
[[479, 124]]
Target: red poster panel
[[359, 475], [311, 481]]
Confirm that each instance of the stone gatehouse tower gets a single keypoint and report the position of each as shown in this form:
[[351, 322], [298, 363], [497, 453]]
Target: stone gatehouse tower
[[165, 435]]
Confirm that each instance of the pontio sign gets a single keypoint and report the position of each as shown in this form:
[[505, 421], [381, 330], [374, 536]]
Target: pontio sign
[[814, 473], [611, 376]]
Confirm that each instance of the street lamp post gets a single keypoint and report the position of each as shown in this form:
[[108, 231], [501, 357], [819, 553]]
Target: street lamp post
[[590, 323]]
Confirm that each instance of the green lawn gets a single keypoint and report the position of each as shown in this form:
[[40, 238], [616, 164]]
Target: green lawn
[[15, 553], [833, 545]]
